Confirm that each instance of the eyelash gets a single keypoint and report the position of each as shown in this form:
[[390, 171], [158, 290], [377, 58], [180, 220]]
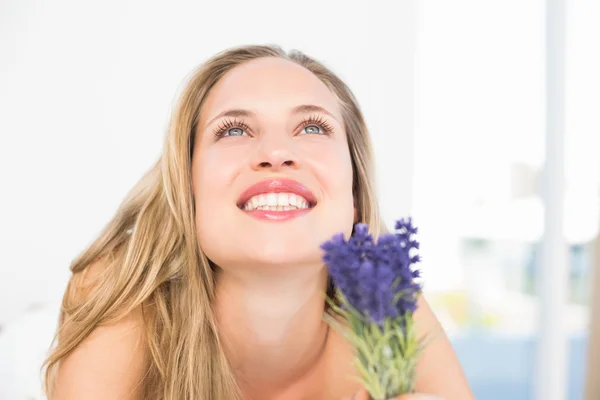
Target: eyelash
[[317, 120], [230, 124]]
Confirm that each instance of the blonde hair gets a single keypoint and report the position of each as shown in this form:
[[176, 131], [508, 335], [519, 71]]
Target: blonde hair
[[152, 261]]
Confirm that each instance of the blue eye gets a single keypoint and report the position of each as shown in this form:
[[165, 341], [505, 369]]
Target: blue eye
[[316, 125], [234, 132], [312, 129], [230, 128]]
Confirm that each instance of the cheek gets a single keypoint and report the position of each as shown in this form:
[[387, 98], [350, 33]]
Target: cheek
[[333, 170], [333, 167], [212, 174], [213, 171]]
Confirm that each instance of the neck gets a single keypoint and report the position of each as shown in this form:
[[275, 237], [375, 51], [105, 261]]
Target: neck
[[272, 326]]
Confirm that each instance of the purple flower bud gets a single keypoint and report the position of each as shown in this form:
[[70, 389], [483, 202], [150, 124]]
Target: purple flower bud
[[377, 278]]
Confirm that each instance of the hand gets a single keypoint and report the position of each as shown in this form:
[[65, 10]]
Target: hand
[[364, 395]]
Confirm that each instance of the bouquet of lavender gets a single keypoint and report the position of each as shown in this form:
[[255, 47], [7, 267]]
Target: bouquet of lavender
[[376, 296]]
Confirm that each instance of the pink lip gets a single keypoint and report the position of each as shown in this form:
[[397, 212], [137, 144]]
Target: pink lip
[[277, 215], [277, 186]]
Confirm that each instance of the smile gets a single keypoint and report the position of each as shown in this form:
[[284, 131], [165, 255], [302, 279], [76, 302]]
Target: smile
[[277, 199], [276, 202]]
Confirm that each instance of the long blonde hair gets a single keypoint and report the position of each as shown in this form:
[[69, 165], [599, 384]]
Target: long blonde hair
[[152, 261]]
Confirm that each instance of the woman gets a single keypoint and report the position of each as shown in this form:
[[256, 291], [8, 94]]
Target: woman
[[208, 282]]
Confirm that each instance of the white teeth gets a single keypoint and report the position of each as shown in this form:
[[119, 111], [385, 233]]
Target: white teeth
[[276, 202], [293, 200], [272, 199], [283, 199]]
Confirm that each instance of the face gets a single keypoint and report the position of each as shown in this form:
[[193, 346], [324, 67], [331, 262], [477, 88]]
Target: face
[[271, 170]]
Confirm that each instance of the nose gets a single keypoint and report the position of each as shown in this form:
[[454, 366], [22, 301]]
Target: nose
[[274, 155]]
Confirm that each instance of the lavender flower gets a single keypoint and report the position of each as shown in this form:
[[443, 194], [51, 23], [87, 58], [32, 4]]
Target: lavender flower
[[377, 295], [376, 278]]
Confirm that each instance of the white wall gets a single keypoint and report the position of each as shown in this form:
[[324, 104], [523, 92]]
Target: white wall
[[85, 93], [86, 89]]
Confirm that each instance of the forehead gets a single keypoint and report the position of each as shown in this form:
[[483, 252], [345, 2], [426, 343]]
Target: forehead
[[269, 85]]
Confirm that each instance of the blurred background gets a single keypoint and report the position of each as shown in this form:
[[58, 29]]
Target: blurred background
[[485, 120]]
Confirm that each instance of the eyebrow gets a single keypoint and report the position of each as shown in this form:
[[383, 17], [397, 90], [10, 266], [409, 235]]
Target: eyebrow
[[301, 109]]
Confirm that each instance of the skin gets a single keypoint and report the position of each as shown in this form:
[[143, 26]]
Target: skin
[[269, 291], [271, 278], [363, 395]]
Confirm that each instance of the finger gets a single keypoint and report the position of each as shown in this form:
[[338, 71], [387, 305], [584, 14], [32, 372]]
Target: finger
[[361, 395]]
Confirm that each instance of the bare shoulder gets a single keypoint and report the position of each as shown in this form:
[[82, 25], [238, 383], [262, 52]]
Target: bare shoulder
[[439, 370], [109, 363], [438, 373]]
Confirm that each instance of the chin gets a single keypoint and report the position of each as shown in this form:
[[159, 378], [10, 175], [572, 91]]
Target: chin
[[257, 253], [256, 244], [280, 252]]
